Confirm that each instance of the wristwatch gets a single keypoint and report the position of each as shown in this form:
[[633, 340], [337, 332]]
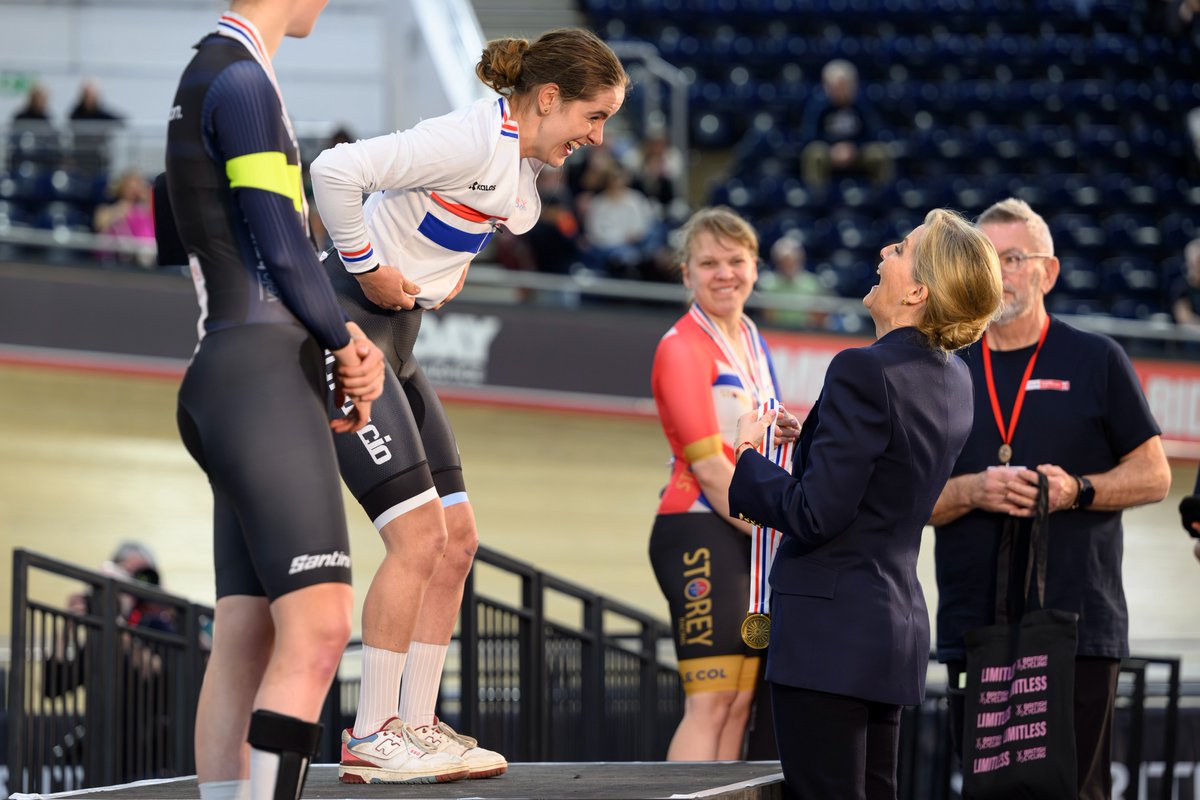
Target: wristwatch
[[1085, 494]]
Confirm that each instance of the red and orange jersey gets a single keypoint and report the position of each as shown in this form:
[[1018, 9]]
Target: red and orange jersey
[[699, 395]]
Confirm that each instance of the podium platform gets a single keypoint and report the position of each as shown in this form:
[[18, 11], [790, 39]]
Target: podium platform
[[726, 780]]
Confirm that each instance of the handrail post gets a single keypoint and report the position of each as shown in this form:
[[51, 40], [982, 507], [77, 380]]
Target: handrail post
[[1172, 724], [16, 674], [648, 684], [1137, 729], [532, 682], [109, 654], [594, 689]]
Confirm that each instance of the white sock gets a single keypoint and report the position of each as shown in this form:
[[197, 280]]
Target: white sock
[[422, 679], [225, 790], [264, 771], [381, 671]]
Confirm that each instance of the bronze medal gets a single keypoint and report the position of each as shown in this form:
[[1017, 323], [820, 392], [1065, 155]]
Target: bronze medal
[[756, 631], [1005, 453]]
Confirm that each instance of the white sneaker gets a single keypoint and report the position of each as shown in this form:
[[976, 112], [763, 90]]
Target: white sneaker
[[441, 738], [395, 754]]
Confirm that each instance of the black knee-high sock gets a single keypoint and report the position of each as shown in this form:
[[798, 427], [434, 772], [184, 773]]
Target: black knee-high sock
[[293, 740]]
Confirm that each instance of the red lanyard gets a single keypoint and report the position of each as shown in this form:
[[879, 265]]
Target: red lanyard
[[1006, 448]]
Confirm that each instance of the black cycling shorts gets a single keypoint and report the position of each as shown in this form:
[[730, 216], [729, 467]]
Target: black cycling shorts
[[252, 413], [703, 568], [407, 455]]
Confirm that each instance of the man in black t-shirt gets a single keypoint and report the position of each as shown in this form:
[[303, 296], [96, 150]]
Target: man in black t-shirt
[[1068, 404]]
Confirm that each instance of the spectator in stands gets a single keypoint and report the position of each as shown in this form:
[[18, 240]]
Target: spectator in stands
[[840, 129], [1067, 404], [91, 125], [33, 141], [129, 216], [787, 277], [1181, 18], [1185, 294], [36, 108], [340, 136], [622, 228], [141, 696], [657, 166], [552, 244], [89, 108], [586, 177]]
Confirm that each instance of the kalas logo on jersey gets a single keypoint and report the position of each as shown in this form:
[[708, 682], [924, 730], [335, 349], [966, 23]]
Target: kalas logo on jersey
[[697, 588], [482, 187]]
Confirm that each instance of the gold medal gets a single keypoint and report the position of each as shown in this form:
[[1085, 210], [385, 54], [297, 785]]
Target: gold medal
[[756, 631], [1005, 453]]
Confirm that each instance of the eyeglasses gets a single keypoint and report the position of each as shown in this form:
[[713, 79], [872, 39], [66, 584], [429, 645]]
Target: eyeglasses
[[1014, 261]]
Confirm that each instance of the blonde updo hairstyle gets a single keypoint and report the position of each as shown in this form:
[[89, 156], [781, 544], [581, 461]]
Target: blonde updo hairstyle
[[577, 61], [724, 224], [959, 267]]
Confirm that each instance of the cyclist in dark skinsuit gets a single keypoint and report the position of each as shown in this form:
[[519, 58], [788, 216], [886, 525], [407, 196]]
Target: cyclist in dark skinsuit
[[252, 409]]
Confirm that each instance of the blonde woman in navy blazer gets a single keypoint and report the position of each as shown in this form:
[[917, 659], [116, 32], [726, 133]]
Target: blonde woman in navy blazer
[[849, 626]]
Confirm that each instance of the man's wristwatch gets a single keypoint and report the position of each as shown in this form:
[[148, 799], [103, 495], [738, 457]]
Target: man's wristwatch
[[1085, 494]]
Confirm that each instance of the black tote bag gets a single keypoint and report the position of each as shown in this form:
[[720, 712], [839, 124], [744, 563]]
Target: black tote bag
[[1019, 732]]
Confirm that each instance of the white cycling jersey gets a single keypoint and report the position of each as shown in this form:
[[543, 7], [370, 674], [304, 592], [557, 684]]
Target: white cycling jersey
[[438, 191]]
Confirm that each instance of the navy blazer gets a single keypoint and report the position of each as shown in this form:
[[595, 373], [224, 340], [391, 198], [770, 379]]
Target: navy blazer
[[847, 613]]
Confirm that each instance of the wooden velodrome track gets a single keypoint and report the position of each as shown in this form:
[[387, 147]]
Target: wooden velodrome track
[[89, 458]]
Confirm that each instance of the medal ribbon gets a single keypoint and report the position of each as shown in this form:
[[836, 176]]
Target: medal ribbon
[[1006, 437], [765, 541], [242, 30], [755, 378]]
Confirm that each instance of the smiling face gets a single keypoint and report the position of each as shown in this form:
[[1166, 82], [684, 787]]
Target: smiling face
[[896, 281], [721, 273], [567, 126]]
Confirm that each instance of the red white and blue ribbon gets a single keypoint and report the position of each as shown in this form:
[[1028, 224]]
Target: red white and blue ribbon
[[765, 541], [755, 376]]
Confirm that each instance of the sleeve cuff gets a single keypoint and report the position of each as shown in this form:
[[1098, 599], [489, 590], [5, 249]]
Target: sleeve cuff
[[360, 260]]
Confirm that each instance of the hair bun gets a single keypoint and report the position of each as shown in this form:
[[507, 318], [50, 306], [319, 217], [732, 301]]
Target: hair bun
[[500, 64], [957, 335]]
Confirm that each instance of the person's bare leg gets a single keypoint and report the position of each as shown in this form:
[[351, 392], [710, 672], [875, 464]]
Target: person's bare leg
[[312, 626], [731, 742], [427, 654], [243, 638], [414, 543], [704, 717], [439, 611]]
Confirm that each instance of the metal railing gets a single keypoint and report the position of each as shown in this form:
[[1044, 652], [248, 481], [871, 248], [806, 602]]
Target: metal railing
[[541, 670], [547, 671], [95, 698]]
